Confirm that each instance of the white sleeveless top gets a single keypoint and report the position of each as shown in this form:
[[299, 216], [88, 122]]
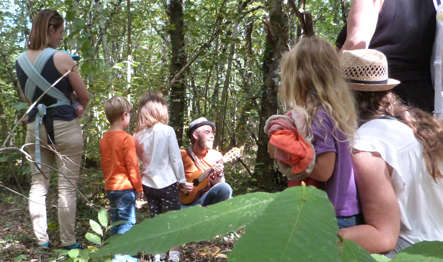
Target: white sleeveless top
[[419, 196]]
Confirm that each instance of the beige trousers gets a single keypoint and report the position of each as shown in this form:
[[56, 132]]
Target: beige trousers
[[67, 156]]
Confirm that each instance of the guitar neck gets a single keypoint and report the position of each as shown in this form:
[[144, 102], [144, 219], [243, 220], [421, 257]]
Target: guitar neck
[[226, 158], [205, 174]]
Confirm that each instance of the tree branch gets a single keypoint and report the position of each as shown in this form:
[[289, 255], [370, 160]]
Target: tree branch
[[200, 50], [271, 38], [245, 166], [305, 19]]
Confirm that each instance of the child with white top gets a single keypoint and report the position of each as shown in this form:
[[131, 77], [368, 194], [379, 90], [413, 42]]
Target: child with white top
[[157, 147]]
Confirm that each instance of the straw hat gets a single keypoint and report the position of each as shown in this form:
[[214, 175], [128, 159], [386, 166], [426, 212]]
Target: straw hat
[[366, 70]]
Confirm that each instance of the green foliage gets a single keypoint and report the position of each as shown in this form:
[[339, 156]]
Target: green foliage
[[295, 220], [74, 255], [20, 258], [103, 217], [297, 224], [192, 224], [421, 252], [351, 251], [380, 258]]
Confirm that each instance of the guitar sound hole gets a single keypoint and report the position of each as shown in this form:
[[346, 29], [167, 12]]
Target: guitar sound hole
[[195, 182]]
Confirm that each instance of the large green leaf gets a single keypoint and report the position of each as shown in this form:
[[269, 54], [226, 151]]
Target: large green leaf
[[103, 217], [299, 225], [423, 251], [380, 258], [93, 238], [351, 251], [192, 224], [96, 227], [73, 253]]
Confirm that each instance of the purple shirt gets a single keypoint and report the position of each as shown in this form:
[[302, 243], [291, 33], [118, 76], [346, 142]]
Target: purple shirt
[[340, 187]]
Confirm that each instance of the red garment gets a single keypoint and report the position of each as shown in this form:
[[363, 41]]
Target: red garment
[[291, 148], [119, 162], [300, 153]]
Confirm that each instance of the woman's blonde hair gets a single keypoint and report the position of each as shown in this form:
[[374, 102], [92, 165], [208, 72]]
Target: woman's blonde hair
[[311, 79], [152, 110], [39, 36]]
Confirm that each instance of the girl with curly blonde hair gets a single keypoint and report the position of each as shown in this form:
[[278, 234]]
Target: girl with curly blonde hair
[[312, 81]]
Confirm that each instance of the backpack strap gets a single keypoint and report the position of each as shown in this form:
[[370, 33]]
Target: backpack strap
[[197, 160], [437, 63], [35, 79]]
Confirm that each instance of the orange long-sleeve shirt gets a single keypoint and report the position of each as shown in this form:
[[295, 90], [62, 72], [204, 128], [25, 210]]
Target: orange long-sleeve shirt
[[119, 162]]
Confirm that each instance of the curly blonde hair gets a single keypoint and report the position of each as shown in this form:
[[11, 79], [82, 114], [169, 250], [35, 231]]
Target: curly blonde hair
[[427, 129], [311, 79]]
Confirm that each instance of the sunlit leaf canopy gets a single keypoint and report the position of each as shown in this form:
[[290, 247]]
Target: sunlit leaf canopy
[[126, 49]]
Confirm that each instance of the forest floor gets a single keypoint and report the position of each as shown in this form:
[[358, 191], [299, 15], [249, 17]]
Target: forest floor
[[17, 241]]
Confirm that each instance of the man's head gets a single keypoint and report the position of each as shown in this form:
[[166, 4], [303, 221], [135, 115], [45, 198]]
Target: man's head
[[202, 132], [115, 107]]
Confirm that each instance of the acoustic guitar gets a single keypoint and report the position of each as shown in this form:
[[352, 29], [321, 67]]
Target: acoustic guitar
[[200, 179]]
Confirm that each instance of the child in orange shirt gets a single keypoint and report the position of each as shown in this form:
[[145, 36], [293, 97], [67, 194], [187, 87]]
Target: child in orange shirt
[[120, 165]]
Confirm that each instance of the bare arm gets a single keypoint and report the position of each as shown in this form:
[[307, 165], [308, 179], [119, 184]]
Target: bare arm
[[362, 21], [324, 167], [63, 62], [378, 202]]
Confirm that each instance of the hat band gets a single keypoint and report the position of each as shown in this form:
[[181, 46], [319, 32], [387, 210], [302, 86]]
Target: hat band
[[381, 82], [203, 123]]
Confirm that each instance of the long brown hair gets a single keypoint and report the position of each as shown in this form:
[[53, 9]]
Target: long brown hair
[[152, 110], [311, 79], [39, 38], [427, 129]]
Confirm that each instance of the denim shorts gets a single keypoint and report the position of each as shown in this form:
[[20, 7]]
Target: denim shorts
[[350, 221]]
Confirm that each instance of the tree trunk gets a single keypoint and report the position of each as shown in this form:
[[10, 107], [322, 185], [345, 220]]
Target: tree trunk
[[242, 132], [104, 37], [178, 61], [224, 96], [3, 123], [274, 46]]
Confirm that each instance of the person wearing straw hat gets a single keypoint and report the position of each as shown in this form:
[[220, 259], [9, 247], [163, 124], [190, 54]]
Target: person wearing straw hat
[[397, 160], [404, 31]]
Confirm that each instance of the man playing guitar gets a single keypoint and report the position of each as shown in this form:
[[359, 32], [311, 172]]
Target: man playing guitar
[[201, 157]]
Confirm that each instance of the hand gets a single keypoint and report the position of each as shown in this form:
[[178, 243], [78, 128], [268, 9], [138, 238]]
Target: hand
[[218, 167], [140, 195], [79, 111], [185, 188]]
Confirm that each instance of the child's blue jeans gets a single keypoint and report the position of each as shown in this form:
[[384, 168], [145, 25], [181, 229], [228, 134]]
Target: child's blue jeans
[[122, 204]]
